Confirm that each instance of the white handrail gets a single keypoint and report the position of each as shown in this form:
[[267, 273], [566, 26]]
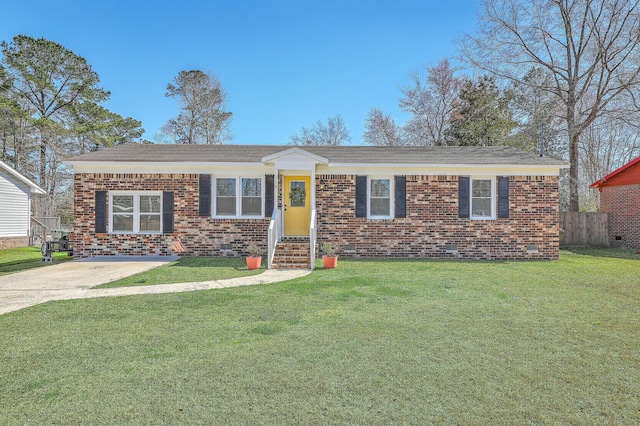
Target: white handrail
[[272, 237], [312, 238]]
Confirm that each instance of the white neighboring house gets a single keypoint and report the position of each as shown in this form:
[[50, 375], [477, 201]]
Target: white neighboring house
[[15, 207]]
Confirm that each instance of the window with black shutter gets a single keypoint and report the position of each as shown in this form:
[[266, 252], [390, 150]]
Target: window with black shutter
[[503, 197], [204, 192], [361, 196], [463, 197], [167, 212], [101, 212], [401, 196], [268, 195]]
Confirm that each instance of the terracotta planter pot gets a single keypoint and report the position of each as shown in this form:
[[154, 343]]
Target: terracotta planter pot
[[253, 262], [330, 261]]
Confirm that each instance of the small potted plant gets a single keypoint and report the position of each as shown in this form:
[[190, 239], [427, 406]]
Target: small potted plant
[[255, 257], [329, 256]]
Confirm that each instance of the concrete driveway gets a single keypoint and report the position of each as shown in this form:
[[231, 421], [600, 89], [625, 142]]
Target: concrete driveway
[[74, 280], [68, 280]]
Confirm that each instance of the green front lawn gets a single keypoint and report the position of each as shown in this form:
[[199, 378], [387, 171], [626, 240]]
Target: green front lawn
[[24, 258], [371, 342], [189, 269]]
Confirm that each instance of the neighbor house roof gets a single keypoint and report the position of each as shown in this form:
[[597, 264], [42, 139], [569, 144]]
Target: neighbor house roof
[[498, 155], [33, 188], [629, 174]]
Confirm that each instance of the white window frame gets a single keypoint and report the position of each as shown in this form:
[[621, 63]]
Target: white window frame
[[136, 211], [493, 197], [391, 197], [238, 214]]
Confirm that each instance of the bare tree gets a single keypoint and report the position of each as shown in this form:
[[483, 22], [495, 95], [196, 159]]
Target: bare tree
[[333, 133], [381, 129], [591, 49], [202, 118], [430, 104], [606, 145]]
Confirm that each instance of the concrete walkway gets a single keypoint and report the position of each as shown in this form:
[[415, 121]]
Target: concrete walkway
[[74, 280]]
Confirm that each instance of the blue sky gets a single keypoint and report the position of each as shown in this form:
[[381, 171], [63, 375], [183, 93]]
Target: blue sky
[[284, 64]]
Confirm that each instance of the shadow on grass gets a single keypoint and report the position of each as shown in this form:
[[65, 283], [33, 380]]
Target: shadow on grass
[[25, 265], [613, 253], [237, 263]]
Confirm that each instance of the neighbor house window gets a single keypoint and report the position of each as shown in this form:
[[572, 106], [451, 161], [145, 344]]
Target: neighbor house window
[[380, 198], [135, 212], [238, 197], [482, 198]]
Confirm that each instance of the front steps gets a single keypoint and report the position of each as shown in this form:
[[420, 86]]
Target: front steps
[[292, 253]]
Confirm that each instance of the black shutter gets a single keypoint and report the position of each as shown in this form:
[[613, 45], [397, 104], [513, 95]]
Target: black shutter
[[503, 196], [167, 212], [401, 196], [268, 195], [101, 212], [463, 196], [361, 196], [204, 208]]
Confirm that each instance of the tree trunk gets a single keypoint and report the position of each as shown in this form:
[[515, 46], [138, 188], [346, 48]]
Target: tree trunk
[[574, 200]]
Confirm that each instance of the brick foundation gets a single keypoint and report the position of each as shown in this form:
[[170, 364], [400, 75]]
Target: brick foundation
[[431, 229], [621, 204], [13, 242]]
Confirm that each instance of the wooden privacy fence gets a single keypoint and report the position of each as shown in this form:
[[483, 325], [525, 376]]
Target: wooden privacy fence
[[584, 229]]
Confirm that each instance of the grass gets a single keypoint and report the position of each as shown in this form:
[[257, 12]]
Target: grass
[[24, 258], [189, 269], [371, 342]]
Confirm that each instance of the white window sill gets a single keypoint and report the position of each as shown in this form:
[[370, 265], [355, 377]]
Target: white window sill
[[237, 217]]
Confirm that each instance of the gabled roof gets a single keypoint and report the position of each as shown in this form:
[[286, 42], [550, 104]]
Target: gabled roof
[[343, 155], [33, 188], [629, 174], [294, 152]]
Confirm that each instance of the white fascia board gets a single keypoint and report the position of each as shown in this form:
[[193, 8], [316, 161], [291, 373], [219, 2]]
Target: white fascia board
[[295, 153], [164, 167], [33, 188], [442, 169]]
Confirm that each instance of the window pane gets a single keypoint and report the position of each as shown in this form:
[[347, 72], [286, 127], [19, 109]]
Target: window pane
[[122, 204], [481, 188], [226, 206], [251, 187], [481, 207], [150, 203], [380, 207], [149, 222], [123, 222], [226, 187], [251, 206], [297, 194], [380, 187]]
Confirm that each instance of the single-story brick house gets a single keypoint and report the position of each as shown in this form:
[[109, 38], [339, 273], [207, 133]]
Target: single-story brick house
[[15, 207], [216, 200], [620, 199]]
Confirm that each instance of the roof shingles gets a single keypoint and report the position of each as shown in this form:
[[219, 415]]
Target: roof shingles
[[495, 155]]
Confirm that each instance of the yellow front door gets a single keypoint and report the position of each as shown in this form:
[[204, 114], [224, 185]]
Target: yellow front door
[[297, 205]]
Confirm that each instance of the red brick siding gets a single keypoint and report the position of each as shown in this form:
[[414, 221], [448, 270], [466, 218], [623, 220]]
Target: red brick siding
[[432, 221], [201, 236], [622, 203], [431, 224]]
